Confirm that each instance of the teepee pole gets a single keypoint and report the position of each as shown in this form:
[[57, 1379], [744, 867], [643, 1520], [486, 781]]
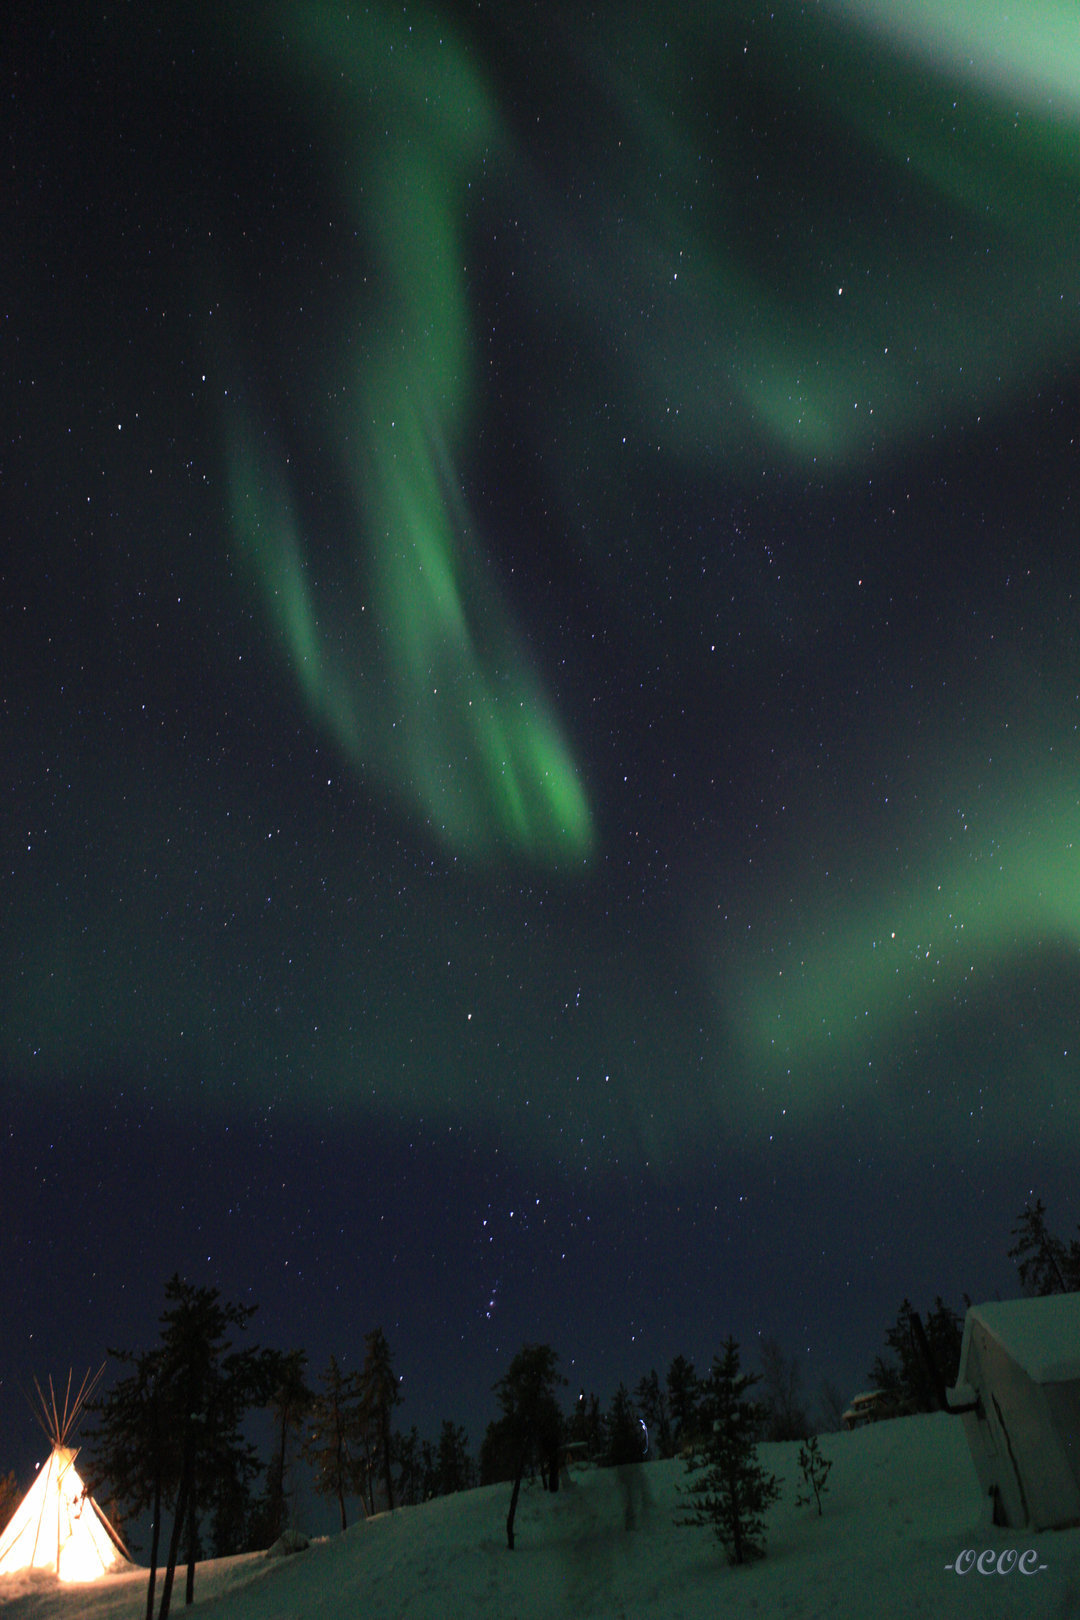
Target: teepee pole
[[59, 1521]]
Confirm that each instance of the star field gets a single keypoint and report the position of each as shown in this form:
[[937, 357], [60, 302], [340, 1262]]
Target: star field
[[541, 679]]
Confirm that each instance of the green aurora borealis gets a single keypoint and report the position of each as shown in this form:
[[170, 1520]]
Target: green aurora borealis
[[821, 346], [458, 724], [709, 304], [541, 622]]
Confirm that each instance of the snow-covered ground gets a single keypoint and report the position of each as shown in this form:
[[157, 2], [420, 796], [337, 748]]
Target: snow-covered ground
[[902, 1505]]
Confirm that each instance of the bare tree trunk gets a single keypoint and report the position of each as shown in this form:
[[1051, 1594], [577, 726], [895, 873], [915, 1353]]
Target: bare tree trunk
[[386, 1461], [514, 1497], [174, 1547], [553, 1462], [277, 1503], [193, 1545], [155, 1542]]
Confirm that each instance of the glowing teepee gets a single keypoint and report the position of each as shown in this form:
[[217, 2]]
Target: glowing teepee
[[58, 1526]]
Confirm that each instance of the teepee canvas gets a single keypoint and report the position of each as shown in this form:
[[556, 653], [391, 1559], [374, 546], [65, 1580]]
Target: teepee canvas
[[58, 1526]]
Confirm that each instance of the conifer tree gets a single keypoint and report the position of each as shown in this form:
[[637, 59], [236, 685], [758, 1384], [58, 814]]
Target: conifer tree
[[622, 1431], [429, 1471], [406, 1453], [781, 1395], [336, 1417], [653, 1405], [586, 1425], [236, 1523], [911, 1383], [290, 1402], [170, 1432], [378, 1397], [682, 1386], [735, 1490], [945, 1337], [209, 1386], [498, 1452], [531, 1423], [134, 1448], [1045, 1265], [453, 1466]]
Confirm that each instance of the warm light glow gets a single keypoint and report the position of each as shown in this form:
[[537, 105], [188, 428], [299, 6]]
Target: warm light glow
[[57, 1528]]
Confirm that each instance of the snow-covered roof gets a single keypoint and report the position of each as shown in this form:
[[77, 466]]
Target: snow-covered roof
[[1041, 1335]]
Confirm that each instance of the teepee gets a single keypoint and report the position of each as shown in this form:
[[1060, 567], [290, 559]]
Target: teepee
[[58, 1526]]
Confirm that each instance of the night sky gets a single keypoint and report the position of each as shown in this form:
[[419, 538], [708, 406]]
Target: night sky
[[539, 677]]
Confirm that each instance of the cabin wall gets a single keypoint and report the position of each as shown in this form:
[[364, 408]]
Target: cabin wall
[[1017, 1440], [987, 1370], [1063, 1404]]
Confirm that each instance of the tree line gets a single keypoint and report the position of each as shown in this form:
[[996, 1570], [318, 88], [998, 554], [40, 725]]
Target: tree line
[[923, 1352], [169, 1437]]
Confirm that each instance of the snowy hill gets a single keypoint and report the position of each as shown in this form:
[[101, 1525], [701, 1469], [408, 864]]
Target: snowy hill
[[902, 1505]]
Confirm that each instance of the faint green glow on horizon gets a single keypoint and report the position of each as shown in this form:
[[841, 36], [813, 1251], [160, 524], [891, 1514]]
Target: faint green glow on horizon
[[899, 957]]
